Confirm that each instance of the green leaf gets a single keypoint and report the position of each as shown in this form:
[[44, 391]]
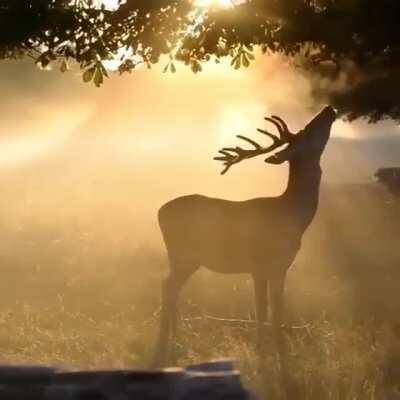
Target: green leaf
[[196, 66], [264, 48], [237, 63], [88, 74], [245, 60], [103, 69], [165, 68], [63, 66], [98, 77], [173, 68], [234, 60], [43, 61]]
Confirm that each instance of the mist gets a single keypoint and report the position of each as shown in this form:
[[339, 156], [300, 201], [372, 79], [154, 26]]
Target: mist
[[120, 152], [83, 172], [87, 160]]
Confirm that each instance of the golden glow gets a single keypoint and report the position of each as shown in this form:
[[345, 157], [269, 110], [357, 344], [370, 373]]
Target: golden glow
[[344, 129], [110, 4], [232, 122], [114, 4], [122, 54], [214, 3], [240, 119], [42, 138]]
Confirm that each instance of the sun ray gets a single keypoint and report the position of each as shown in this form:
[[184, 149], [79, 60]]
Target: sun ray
[[214, 3], [109, 4]]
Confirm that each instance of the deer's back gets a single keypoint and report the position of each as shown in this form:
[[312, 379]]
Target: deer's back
[[229, 236]]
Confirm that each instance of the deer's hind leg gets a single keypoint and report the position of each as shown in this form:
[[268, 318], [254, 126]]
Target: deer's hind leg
[[171, 288]]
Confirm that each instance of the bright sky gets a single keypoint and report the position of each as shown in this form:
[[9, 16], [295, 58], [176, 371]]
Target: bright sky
[[111, 4], [211, 3]]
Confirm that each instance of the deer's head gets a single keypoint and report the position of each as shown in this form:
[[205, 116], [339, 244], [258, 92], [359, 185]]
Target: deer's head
[[305, 146]]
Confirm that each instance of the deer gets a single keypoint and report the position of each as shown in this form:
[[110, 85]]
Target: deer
[[260, 236]]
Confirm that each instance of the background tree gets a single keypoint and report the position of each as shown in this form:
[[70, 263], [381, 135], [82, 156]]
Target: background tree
[[353, 44]]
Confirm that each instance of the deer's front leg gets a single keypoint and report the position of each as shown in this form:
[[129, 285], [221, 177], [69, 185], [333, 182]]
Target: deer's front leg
[[260, 291]]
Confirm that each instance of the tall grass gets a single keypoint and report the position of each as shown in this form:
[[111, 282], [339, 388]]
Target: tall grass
[[86, 295]]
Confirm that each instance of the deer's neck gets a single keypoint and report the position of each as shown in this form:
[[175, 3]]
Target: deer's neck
[[302, 192]]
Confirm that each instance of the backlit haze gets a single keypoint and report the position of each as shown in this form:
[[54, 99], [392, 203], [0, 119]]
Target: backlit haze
[[142, 139], [83, 171]]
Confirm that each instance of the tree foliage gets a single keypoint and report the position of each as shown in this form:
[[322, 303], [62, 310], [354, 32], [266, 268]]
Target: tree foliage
[[353, 44]]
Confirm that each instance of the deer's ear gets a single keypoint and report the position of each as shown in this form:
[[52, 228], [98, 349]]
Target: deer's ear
[[281, 156]]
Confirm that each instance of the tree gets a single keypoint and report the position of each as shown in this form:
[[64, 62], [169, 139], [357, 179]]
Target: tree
[[353, 44]]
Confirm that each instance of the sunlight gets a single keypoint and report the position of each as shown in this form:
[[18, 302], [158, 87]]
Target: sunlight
[[110, 4], [122, 54], [25, 147], [344, 129], [214, 3], [235, 121], [114, 4]]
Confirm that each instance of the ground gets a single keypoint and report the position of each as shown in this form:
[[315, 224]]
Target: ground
[[81, 294], [110, 321]]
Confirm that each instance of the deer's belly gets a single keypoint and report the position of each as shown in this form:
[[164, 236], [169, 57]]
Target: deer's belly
[[269, 260]]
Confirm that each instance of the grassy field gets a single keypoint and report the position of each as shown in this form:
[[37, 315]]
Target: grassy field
[[327, 361], [82, 295], [109, 320]]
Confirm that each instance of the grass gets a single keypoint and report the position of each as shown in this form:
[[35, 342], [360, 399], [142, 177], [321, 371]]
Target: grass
[[330, 360], [81, 295]]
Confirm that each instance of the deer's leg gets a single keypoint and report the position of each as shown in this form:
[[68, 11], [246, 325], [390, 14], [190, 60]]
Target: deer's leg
[[261, 303], [276, 287], [170, 294], [164, 329], [179, 280]]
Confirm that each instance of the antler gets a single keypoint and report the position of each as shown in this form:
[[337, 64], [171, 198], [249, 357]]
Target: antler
[[233, 155]]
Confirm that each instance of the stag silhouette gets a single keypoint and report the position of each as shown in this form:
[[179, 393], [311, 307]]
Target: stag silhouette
[[260, 236]]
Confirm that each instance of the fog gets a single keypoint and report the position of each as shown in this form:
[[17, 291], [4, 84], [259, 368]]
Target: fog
[[84, 170], [117, 153]]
